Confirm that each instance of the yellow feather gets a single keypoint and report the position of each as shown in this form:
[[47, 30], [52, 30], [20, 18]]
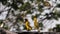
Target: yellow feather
[[28, 26], [35, 23]]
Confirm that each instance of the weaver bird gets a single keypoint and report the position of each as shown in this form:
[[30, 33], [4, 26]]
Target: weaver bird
[[27, 24], [36, 23]]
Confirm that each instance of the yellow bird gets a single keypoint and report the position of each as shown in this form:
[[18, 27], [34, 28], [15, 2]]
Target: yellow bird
[[27, 25], [36, 23]]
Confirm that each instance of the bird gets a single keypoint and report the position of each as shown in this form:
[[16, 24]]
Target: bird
[[36, 25], [28, 27]]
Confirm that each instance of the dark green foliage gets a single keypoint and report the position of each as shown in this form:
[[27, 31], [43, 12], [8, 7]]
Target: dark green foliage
[[58, 5], [58, 25], [4, 2], [19, 18], [48, 17], [14, 6], [52, 16], [40, 0], [20, 1], [32, 17], [13, 13], [37, 15], [29, 12], [40, 25], [54, 29], [57, 28], [1, 22], [40, 7], [5, 27], [57, 13], [24, 27], [32, 1], [14, 3], [56, 18], [8, 4], [25, 6]]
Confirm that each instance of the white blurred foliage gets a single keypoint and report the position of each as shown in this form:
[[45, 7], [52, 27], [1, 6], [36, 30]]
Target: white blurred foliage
[[47, 23]]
